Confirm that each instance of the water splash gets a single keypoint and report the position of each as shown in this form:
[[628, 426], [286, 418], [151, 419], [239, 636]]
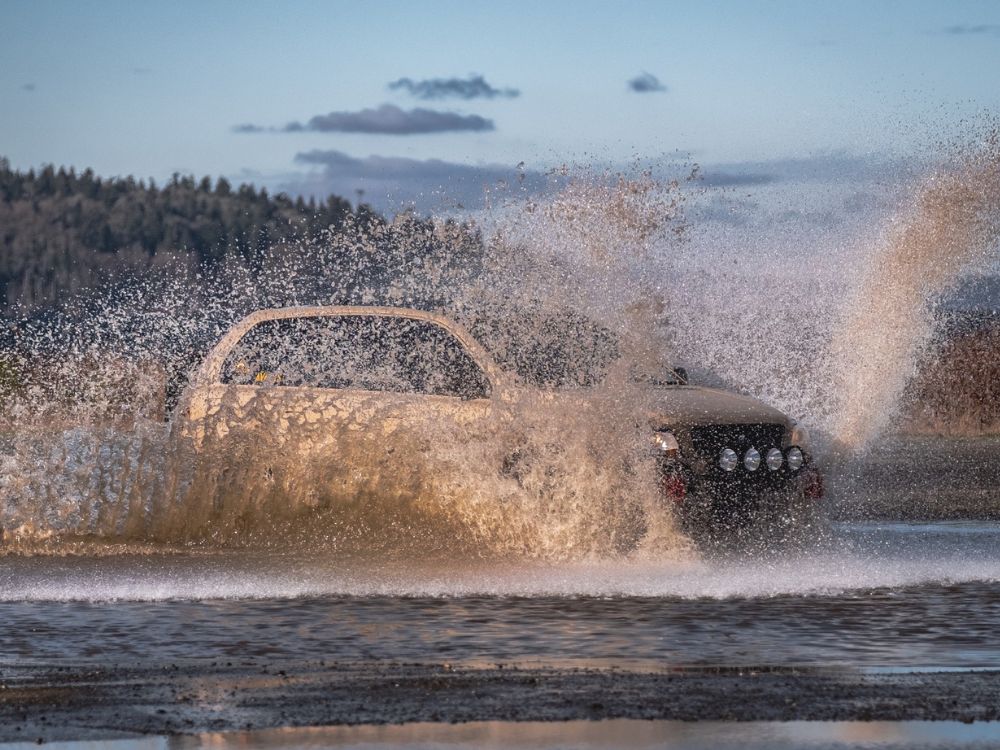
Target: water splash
[[768, 311], [828, 318], [952, 219], [552, 477]]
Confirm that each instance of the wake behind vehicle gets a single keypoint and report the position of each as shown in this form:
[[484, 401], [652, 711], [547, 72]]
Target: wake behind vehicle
[[341, 379]]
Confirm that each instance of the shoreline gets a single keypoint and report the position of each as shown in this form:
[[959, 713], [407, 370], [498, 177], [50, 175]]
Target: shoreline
[[85, 702]]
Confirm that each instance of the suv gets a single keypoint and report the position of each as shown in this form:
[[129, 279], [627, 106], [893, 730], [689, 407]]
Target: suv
[[293, 376]]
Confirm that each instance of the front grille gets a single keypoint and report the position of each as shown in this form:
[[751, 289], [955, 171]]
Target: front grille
[[733, 496], [709, 440]]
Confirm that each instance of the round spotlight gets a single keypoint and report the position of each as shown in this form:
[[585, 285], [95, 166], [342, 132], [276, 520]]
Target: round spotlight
[[775, 459], [728, 459], [795, 459], [751, 459]]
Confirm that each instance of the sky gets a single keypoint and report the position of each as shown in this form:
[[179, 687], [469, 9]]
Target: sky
[[403, 98]]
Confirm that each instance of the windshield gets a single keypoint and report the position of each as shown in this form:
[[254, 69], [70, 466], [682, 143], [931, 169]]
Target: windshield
[[561, 350]]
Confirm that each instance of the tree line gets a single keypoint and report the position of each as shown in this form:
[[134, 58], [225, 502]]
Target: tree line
[[63, 231]]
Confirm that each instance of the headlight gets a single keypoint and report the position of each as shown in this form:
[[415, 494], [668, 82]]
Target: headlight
[[775, 458], [666, 444], [751, 459], [795, 459], [799, 436], [728, 459]]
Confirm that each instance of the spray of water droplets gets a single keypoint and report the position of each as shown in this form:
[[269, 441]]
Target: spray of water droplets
[[826, 325]]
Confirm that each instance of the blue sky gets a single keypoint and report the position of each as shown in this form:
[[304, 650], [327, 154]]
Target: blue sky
[[149, 89]]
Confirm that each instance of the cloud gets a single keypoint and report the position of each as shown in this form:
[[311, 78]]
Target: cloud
[[646, 83], [386, 120], [969, 29], [394, 182], [141, 71], [824, 190], [824, 167], [816, 190], [391, 120], [28, 87], [710, 178], [249, 127], [724, 209], [473, 87]]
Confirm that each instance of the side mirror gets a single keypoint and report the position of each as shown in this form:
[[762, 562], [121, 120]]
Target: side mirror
[[682, 375]]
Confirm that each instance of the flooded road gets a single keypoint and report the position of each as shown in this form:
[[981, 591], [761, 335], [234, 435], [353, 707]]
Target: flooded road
[[877, 597], [889, 622], [889, 597]]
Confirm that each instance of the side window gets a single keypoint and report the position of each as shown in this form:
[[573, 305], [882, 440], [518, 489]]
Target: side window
[[433, 361], [372, 353]]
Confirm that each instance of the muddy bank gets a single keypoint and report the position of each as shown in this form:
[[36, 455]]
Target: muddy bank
[[955, 389], [72, 703]]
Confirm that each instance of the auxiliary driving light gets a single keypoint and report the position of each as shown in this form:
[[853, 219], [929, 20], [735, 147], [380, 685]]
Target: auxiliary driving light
[[795, 459], [728, 459], [751, 459], [775, 459]]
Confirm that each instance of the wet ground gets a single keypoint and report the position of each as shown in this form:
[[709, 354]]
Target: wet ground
[[920, 477], [626, 734], [892, 621]]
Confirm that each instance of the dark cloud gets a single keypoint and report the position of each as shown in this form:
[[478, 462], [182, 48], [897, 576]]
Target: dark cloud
[[393, 182], [824, 190], [473, 87], [736, 193], [710, 178], [725, 210], [386, 120], [391, 120], [968, 29], [248, 127], [864, 202], [646, 83], [829, 167], [28, 87]]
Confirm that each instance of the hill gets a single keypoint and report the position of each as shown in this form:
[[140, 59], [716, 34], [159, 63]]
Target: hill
[[61, 232]]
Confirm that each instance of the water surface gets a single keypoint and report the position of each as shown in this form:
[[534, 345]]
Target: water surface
[[890, 597]]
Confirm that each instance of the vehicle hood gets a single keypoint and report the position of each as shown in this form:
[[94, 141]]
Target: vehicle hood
[[695, 405]]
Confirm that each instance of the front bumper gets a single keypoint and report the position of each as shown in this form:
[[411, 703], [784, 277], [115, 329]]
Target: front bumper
[[739, 500]]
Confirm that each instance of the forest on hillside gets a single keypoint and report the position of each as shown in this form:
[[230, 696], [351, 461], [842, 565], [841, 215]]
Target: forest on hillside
[[63, 231]]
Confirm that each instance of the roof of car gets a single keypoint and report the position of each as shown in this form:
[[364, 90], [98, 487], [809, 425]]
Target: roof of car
[[213, 363]]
